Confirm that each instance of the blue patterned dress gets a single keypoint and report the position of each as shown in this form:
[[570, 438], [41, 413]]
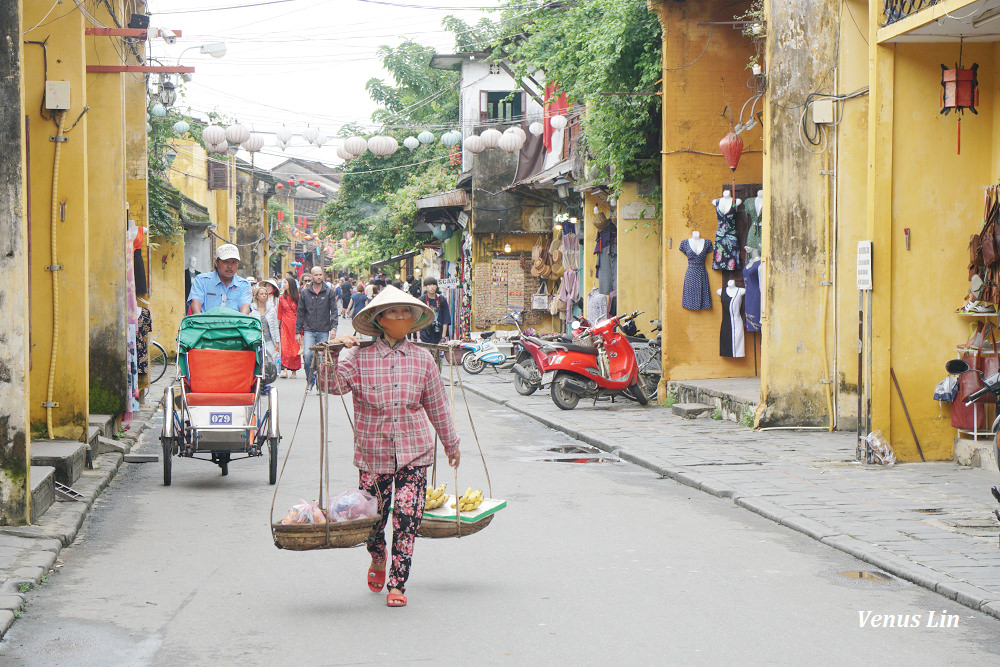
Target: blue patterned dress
[[727, 243], [697, 293]]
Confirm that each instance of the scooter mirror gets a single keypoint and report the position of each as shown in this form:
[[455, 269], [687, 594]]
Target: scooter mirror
[[575, 325], [956, 367]]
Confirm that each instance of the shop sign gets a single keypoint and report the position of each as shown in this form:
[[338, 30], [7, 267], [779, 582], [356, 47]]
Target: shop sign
[[463, 219], [864, 265], [447, 283]]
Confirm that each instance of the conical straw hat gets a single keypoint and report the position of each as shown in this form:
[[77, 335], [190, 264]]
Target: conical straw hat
[[364, 322]]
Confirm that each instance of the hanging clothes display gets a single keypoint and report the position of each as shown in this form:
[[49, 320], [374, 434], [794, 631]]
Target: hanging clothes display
[[727, 242], [452, 248], [132, 315], [697, 294], [731, 333], [755, 216], [606, 250], [141, 344], [597, 306], [751, 278]]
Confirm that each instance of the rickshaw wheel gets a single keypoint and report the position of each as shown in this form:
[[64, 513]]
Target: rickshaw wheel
[[272, 463], [167, 459]]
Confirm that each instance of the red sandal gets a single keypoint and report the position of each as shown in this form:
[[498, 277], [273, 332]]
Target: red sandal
[[376, 579], [395, 600]]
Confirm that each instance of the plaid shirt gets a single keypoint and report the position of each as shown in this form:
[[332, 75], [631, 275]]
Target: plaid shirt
[[396, 390]]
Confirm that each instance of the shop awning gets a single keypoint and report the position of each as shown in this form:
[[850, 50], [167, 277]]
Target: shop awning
[[441, 199], [393, 260]]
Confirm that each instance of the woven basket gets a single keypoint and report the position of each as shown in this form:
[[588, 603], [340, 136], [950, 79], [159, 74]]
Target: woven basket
[[435, 528], [331, 535]]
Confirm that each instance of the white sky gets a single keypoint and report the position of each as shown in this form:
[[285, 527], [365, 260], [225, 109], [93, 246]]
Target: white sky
[[297, 62]]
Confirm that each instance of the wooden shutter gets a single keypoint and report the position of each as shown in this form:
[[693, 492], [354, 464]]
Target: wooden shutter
[[218, 175]]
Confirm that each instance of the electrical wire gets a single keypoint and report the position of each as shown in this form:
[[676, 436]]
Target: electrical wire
[[707, 42], [41, 20], [219, 9]]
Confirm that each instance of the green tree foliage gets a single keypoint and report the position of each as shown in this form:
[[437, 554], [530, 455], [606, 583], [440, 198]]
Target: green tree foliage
[[604, 54], [376, 198]]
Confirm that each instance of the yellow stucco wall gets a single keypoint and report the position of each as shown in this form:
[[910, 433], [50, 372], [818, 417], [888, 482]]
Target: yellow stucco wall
[[66, 62], [639, 286], [694, 173]]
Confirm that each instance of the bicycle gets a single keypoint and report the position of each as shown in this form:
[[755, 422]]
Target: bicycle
[[158, 361]]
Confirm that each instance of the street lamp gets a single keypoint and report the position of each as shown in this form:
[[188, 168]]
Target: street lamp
[[168, 93], [214, 49]]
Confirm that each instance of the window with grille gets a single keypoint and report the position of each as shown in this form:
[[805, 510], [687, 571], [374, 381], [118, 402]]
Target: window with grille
[[503, 106]]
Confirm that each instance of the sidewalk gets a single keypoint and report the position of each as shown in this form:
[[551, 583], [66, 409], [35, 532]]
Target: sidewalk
[[928, 523], [27, 553]]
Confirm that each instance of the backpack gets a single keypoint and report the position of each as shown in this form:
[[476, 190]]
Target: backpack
[[415, 290]]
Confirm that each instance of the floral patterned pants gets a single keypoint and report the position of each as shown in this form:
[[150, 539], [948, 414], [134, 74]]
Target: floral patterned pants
[[410, 483]]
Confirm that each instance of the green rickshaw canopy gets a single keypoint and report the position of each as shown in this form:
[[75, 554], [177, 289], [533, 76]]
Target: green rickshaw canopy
[[220, 329]]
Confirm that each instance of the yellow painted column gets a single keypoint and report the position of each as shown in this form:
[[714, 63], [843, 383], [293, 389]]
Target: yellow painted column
[[15, 390], [60, 321], [639, 253], [109, 360]]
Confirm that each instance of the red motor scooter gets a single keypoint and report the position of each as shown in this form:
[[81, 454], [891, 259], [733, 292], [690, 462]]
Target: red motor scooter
[[606, 368]]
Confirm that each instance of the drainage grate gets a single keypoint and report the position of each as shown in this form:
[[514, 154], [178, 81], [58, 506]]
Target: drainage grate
[[67, 493]]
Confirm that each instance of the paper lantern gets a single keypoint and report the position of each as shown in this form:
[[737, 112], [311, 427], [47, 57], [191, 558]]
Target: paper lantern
[[220, 147], [425, 137], [536, 128], [732, 148], [356, 145], [278, 186], [213, 134], [236, 134], [452, 138], [302, 180], [510, 143], [149, 128], [474, 143], [411, 143], [253, 143], [158, 110], [320, 140], [558, 122], [516, 129], [282, 145], [382, 146], [310, 134], [279, 214], [284, 135], [344, 154], [491, 138], [181, 127]]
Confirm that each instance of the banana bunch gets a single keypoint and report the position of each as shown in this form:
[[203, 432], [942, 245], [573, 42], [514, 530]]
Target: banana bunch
[[470, 500], [435, 497]]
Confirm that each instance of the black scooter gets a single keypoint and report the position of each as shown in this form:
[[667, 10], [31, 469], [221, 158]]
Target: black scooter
[[991, 385]]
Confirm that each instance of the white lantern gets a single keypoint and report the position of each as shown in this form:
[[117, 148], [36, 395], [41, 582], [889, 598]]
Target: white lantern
[[344, 154], [411, 143], [310, 134], [281, 144], [213, 134], [516, 130], [425, 137], [356, 145], [253, 143], [558, 122], [474, 143], [158, 110], [181, 127], [220, 147], [382, 146], [284, 136], [510, 142], [452, 138], [321, 139], [490, 138], [536, 128], [149, 128], [236, 134]]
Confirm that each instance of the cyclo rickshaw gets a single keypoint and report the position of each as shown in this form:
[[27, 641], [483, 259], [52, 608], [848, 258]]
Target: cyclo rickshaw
[[220, 406]]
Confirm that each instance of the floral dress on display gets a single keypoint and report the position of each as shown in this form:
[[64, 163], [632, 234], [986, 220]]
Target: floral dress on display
[[727, 242]]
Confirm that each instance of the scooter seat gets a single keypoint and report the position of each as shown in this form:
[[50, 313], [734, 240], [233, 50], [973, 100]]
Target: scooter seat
[[486, 334], [573, 347], [637, 339]]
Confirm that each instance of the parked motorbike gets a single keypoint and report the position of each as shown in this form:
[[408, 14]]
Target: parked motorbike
[[605, 367], [991, 385], [485, 352], [648, 356], [531, 358]]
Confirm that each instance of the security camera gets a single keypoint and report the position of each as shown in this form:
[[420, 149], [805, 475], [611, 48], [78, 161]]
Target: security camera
[[169, 36]]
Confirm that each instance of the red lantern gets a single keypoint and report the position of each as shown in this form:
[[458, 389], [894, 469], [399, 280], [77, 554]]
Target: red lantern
[[959, 91], [278, 186], [732, 148], [280, 215], [301, 180]]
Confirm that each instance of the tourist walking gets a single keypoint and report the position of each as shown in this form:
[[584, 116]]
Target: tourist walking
[[316, 318], [288, 308]]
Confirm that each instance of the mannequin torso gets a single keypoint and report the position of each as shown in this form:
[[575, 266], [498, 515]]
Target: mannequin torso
[[696, 243], [758, 201], [731, 289], [726, 202]]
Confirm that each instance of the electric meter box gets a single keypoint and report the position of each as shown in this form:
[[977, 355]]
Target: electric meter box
[[57, 95], [822, 111]]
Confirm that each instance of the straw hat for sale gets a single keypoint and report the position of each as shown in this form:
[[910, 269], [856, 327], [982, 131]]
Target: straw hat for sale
[[364, 322]]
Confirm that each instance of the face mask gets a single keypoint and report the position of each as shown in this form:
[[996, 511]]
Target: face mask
[[396, 329]]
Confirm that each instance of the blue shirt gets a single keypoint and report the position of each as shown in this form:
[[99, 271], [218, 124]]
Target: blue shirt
[[358, 301], [212, 293]]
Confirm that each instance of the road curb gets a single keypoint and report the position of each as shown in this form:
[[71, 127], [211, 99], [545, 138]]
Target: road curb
[[963, 593]]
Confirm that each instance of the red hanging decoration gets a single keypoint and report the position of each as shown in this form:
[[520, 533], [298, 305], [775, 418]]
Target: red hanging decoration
[[278, 186], [279, 214], [959, 91], [732, 148]]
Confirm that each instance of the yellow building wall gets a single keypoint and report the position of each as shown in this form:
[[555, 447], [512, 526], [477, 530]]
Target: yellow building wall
[[639, 286], [70, 379], [483, 249], [107, 240], [938, 195], [694, 173]]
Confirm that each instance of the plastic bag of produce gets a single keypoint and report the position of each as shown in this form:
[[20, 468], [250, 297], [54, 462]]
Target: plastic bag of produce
[[304, 512], [353, 504]]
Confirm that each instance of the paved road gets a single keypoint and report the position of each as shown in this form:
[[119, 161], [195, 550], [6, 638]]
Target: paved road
[[591, 563]]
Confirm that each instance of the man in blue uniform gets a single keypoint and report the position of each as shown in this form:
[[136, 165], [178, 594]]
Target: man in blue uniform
[[221, 287]]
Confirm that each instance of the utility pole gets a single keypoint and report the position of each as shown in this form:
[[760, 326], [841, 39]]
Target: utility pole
[[15, 479]]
